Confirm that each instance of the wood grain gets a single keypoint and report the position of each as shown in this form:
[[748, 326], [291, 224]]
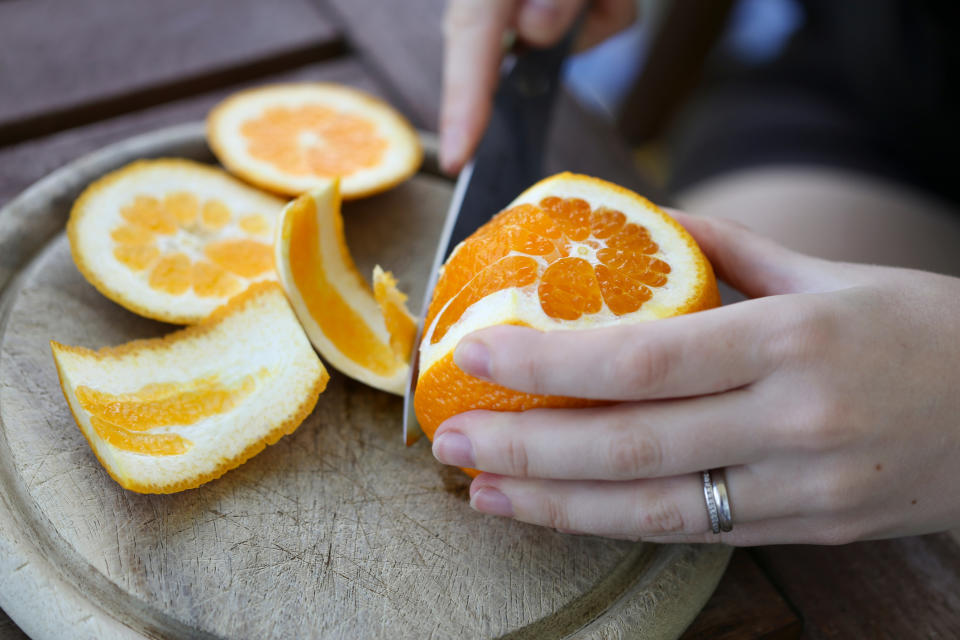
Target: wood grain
[[903, 588], [64, 65], [336, 531]]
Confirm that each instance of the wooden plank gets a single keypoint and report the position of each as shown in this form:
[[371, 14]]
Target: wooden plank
[[745, 606], [903, 588], [63, 66], [404, 43]]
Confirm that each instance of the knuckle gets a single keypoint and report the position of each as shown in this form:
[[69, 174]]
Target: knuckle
[[516, 457], [643, 367], [634, 455], [659, 518], [808, 330], [835, 493], [555, 513]]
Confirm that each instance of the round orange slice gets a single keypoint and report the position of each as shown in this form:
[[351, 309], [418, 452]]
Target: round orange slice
[[291, 138], [173, 239], [367, 335], [571, 252], [171, 413]]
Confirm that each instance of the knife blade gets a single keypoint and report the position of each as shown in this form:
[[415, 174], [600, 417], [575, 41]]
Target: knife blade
[[508, 159]]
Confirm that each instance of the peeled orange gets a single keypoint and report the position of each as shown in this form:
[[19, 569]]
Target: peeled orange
[[171, 413], [173, 239], [571, 252], [291, 138], [367, 336]]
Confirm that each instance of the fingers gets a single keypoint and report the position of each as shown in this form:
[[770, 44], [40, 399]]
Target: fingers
[[662, 509], [705, 352], [622, 442], [753, 264], [473, 34]]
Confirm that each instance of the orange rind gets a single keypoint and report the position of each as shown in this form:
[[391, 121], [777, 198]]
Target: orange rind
[[293, 138], [167, 414], [173, 239], [572, 252], [367, 336]]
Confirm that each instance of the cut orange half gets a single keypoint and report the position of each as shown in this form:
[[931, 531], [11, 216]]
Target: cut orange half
[[571, 252], [291, 138], [173, 239], [171, 413], [364, 335]]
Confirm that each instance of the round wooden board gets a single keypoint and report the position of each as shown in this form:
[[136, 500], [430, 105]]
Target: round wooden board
[[337, 531]]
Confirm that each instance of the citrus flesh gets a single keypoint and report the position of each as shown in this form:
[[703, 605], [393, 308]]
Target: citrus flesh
[[173, 239], [571, 252], [168, 414], [291, 138], [364, 335]]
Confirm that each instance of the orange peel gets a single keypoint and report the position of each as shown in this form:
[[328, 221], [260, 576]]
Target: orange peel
[[167, 414]]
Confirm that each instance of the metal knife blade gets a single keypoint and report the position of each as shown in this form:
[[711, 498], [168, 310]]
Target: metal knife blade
[[508, 159]]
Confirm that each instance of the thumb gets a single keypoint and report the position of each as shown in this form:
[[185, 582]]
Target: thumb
[[754, 264]]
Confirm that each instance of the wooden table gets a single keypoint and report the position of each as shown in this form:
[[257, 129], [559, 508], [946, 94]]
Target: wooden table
[[76, 76]]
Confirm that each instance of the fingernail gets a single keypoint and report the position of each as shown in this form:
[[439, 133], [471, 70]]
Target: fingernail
[[490, 500], [473, 358], [454, 448]]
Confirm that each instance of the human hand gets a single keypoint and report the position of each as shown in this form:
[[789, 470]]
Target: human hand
[[473, 36], [832, 399]]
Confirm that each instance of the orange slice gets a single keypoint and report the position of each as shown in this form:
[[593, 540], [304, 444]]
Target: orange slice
[[291, 138], [364, 339], [171, 413], [571, 252], [173, 239]]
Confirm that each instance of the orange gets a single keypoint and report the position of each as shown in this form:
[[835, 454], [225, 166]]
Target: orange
[[291, 138], [171, 413], [173, 239], [365, 334], [571, 252]]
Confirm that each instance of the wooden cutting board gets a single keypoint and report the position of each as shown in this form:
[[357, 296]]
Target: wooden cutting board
[[337, 531]]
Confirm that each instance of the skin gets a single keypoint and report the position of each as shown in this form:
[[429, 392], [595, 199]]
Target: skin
[[829, 395]]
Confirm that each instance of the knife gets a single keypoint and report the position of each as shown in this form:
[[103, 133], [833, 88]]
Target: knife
[[508, 159]]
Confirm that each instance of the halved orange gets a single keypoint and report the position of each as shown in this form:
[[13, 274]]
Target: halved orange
[[173, 239], [366, 336], [291, 138], [171, 413], [571, 252]]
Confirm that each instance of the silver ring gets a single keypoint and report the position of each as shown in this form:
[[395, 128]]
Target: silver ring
[[718, 501]]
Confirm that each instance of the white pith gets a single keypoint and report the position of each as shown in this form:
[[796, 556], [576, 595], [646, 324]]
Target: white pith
[[348, 284], [402, 144], [263, 340], [522, 304], [101, 215]]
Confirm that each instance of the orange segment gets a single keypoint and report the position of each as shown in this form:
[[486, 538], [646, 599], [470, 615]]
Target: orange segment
[[209, 280], [577, 253], [215, 214], [298, 137], [176, 250], [568, 289], [172, 274], [136, 257], [153, 444], [365, 335], [246, 258], [183, 206], [167, 414], [146, 212]]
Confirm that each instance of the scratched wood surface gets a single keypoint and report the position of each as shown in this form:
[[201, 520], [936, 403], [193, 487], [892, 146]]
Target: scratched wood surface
[[336, 531]]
